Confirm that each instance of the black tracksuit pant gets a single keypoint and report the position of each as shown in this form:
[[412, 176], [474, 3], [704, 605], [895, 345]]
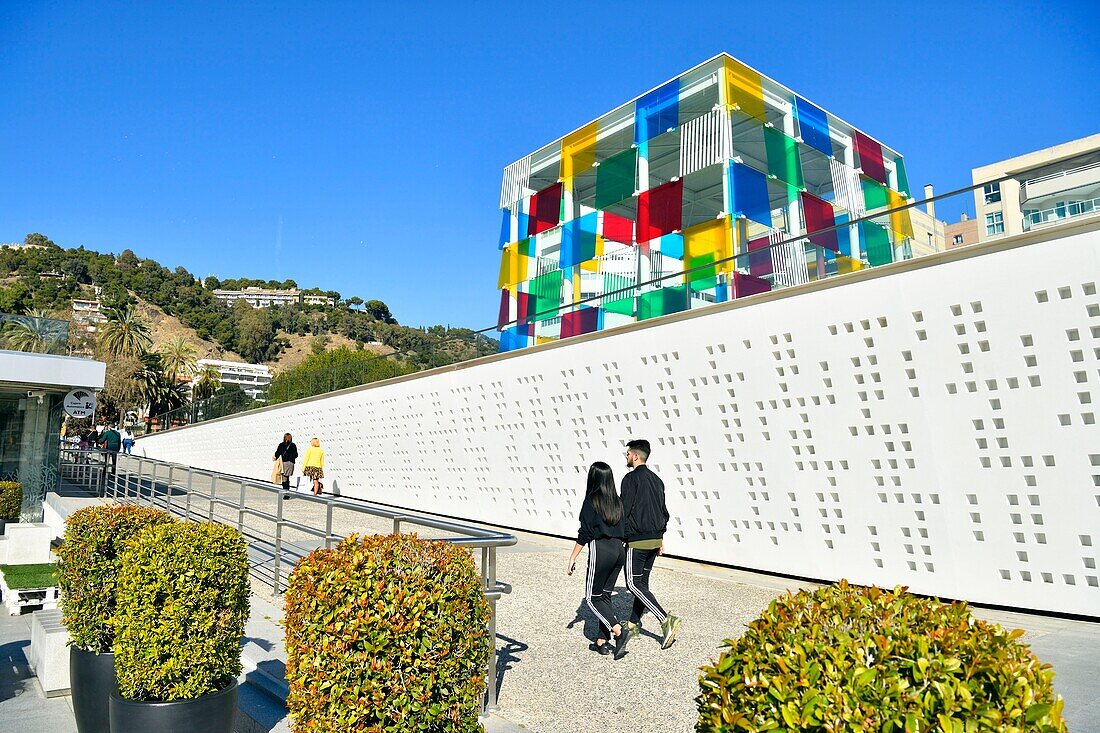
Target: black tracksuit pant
[[605, 560], [639, 563]]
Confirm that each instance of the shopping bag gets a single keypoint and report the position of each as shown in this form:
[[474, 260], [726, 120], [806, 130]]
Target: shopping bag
[[277, 471]]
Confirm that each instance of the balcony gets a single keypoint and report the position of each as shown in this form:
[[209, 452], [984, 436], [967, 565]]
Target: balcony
[[1055, 183], [1037, 219]]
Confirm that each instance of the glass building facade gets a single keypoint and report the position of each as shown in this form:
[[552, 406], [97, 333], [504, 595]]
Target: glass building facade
[[717, 185]]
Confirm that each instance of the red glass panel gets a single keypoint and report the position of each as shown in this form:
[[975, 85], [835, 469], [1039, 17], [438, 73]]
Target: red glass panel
[[744, 285], [585, 320], [870, 157], [618, 229], [660, 211], [545, 209], [819, 215]]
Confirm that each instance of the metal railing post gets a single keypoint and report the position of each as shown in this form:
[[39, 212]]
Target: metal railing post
[[190, 481], [240, 510], [277, 565], [490, 585], [328, 524], [168, 489], [213, 493]]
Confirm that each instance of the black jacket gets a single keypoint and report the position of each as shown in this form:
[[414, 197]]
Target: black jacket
[[287, 451], [644, 511], [594, 528]]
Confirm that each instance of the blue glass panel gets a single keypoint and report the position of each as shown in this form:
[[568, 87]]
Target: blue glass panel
[[514, 338], [578, 240], [522, 228], [672, 245], [748, 192], [813, 125], [505, 229], [657, 112], [843, 236]]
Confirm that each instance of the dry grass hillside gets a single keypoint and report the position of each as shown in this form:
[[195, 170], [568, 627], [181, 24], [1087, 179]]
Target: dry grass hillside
[[165, 327], [300, 346]]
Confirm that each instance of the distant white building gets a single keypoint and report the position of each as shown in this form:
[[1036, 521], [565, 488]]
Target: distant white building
[[259, 297], [88, 314], [266, 297], [314, 299], [252, 378]]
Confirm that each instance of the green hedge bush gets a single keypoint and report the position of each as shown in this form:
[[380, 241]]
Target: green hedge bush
[[11, 500], [88, 571], [848, 658], [386, 634], [182, 606]]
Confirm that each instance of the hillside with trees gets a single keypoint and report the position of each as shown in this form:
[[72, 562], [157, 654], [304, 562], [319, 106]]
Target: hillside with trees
[[152, 308]]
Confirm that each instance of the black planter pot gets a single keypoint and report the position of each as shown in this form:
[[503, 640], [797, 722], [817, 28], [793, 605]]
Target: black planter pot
[[211, 713], [92, 678]]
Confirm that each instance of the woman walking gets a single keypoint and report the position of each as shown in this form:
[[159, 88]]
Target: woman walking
[[601, 531], [287, 452], [314, 465], [127, 441]]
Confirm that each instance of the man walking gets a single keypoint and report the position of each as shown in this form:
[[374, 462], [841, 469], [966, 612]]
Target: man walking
[[112, 442], [646, 518]]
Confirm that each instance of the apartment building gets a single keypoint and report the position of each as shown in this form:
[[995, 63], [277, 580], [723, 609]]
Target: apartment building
[[266, 298], [88, 314], [962, 232], [1045, 187], [252, 378]]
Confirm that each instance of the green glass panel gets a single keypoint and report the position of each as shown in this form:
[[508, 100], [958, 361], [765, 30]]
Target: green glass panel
[[615, 178], [622, 305], [662, 302], [874, 194], [546, 296], [903, 179], [783, 158], [876, 242], [704, 278], [527, 247]]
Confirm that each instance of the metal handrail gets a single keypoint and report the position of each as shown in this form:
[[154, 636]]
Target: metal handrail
[[132, 479]]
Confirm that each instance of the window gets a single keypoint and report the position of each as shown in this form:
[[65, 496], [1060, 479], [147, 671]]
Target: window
[[994, 223], [992, 192], [957, 239]]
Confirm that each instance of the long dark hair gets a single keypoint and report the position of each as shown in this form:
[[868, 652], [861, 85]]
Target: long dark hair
[[601, 490]]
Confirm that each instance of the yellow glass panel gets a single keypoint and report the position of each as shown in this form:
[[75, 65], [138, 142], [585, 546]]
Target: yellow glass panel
[[576, 285], [744, 89], [900, 221], [578, 151], [710, 237], [513, 266], [845, 265], [544, 339]]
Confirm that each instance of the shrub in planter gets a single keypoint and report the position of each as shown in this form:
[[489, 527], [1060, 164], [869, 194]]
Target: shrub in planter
[[386, 634], [11, 501], [848, 658], [182, 607], [88, 571], [88, 576]]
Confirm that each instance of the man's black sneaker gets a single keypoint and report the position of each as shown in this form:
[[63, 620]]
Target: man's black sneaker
[[620, 643], [602, 649]]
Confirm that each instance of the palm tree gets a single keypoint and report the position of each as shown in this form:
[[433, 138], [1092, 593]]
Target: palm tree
[[154, 388], [35, 332], [125, 333], [209, 381], [178, 358]]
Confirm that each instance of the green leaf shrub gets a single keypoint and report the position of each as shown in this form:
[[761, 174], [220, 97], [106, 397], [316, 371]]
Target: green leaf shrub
[[88, 571], [182, 607], [11, 500], [849, 658], [386, 634]]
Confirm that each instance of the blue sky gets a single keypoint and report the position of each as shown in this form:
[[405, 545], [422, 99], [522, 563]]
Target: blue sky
[[359, 146]]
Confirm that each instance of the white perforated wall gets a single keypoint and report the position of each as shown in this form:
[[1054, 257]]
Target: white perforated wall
[[934, 426]]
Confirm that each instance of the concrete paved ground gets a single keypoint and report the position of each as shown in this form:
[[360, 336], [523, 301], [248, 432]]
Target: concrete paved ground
[[549, 682], [23, 707]]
